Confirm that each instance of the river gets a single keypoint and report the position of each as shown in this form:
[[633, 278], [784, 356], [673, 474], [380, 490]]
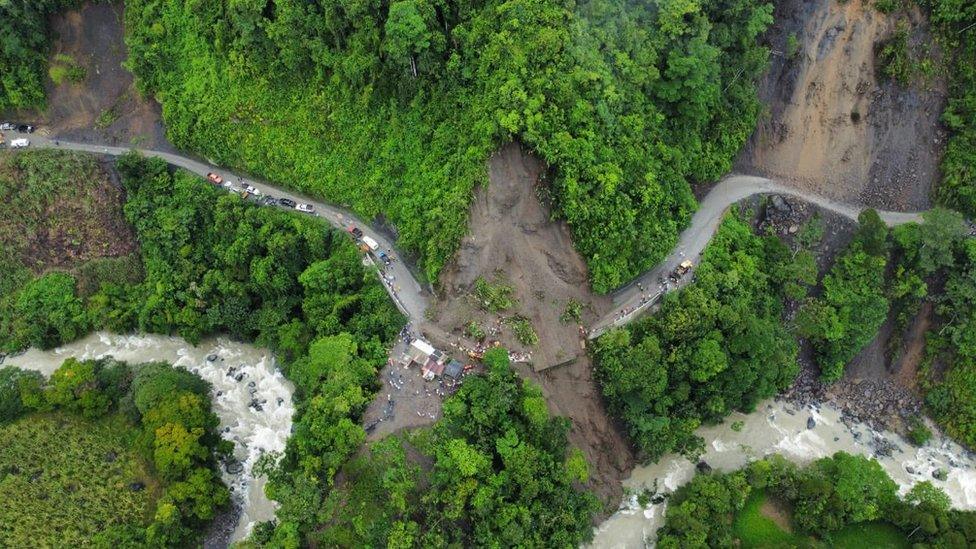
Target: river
[[253, 432], [778, 427]]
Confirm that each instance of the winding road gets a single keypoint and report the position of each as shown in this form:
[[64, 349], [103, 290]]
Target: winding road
[[629, 301]]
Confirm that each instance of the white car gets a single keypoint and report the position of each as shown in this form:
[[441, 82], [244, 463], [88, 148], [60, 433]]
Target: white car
[[252, 190], [307, 208], [5, 126], [19, 143]]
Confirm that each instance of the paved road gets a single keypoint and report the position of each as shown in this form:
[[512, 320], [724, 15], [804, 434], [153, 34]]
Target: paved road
[[408, 294], [629, 301]]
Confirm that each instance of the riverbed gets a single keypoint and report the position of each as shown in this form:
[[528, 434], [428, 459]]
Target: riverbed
[[251, 398], [778, 427]]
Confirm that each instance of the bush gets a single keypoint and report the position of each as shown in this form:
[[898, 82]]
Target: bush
[[918, 432]]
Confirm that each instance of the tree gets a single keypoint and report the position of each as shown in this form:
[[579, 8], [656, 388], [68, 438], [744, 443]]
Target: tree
[[406, 32], [48, 312]]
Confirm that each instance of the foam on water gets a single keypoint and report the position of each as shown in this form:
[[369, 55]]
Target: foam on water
[[778, 428], [253, 432]]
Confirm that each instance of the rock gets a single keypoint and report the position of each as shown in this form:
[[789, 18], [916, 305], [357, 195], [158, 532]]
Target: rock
[[234, 467], [811, 423], [910, 470], [940, 474], [703, 467], [779, 204], [793, 229], [137, 487], [657, 499], [212, 358]]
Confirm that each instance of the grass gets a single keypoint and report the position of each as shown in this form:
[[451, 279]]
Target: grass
[[64, 479], [64, 67], [523, 330], [876, 535], [754, 529]]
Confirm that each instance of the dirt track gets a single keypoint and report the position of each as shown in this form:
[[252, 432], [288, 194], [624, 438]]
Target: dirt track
[[833, 128]]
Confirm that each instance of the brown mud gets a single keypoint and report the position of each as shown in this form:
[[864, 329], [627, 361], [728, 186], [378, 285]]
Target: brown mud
[[105, 107], [513, 238], [832, 126]]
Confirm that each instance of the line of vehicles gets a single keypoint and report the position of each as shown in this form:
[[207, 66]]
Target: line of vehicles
[[19, 143], [249, 191], [367, 243]]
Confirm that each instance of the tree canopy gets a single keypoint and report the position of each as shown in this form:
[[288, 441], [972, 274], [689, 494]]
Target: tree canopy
[[395, 107]]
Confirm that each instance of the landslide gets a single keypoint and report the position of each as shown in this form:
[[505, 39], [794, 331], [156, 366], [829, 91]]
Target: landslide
[[104, 107], [832, 126], [513, 239]]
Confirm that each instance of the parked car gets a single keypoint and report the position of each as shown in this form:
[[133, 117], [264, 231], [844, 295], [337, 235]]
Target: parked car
[[385, 258], [286, 202], [355, 231], [214, 178], [307, 208], [270, 201], [252, 190], [25, 128], [19, 143], [6, 126]]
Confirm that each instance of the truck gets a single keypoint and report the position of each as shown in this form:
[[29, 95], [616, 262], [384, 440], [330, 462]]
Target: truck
[[373, 245], [683, 268]]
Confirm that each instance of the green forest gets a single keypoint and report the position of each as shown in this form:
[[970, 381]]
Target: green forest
[[716, 346], [104, 454], [394, 107], [24, 50], [495, 470], [843, 501]]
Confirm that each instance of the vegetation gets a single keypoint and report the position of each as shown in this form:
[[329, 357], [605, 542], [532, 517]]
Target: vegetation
[[954, 23], [838, 501], [23, 53], [918, 432], [494, 471], [716, 346], [853, 305], [573, 311], [64, 67], [394, 108], [523, 330], [57, 211], [64, 480], [494, 297], [167, 422]]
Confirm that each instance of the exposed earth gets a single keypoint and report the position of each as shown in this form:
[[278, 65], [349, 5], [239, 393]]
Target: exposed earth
[[832, 127], [512, 236], [105, 107]]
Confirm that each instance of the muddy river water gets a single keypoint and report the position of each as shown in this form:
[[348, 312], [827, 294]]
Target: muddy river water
[[777, 427], [251, 398], [243, 374]]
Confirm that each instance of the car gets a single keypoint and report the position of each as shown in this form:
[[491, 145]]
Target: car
[[252, 190], [286, 202], [214, 178], [19, 143], [385, 258], [6, 126], [25, 128], [270, 201], [307, 208], [355, 231]]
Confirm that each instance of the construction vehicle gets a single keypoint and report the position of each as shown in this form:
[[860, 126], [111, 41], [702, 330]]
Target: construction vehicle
[[683, 268]]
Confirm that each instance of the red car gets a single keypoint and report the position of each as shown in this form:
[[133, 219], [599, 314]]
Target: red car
[[214, 178], [356, 232]]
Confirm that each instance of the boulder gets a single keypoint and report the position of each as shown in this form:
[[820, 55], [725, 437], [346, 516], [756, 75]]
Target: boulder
[[811, 423], [703, 467]]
